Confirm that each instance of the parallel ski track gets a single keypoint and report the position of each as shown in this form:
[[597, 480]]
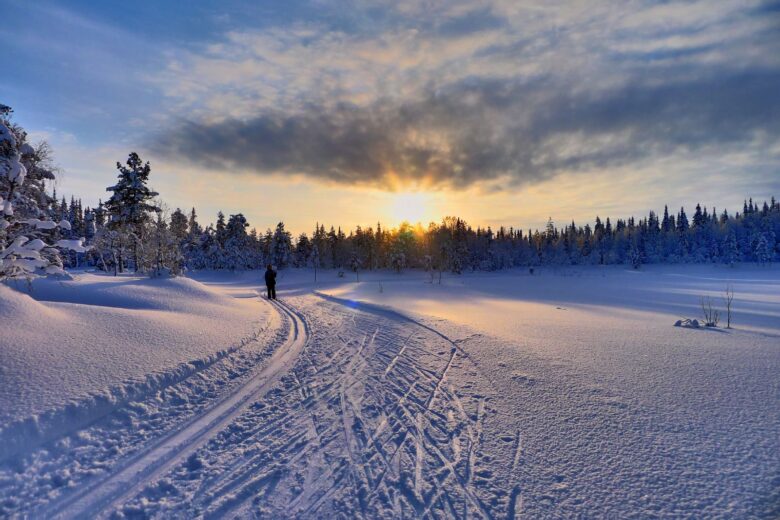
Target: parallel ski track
[[357, 413], [359, 420], [128, 478]]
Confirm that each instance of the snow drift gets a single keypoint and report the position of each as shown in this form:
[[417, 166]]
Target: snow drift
[[72, 351]]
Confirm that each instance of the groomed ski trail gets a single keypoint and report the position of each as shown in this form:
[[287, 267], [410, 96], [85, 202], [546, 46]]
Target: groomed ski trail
[[100, 499], [380, 416]]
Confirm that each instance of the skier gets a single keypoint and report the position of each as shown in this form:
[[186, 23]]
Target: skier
[[270, 282]]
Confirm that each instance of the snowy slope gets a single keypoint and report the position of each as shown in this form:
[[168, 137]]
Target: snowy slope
[[73, 349]]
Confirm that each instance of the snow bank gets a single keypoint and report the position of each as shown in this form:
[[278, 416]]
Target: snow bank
[[19, 309], [165, 294], [71, 351]]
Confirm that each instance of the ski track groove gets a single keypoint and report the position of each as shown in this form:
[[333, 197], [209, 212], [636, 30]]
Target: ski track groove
[[357, 416], [515, 498], [128, 478]]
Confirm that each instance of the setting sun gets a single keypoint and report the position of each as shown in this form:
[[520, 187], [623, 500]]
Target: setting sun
[[412, 207]]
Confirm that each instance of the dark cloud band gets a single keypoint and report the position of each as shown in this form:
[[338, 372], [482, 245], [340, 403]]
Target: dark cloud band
[[484, 129]]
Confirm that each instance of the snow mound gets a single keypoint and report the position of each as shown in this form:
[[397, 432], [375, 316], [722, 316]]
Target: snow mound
[[79, 348], [688, 323], [18, 309], [169, 294]]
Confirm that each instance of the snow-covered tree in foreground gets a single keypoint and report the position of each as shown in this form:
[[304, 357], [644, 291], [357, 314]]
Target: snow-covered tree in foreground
[[131, 204], [26, 245]]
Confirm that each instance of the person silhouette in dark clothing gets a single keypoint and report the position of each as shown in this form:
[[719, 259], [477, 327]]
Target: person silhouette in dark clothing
[[270, 282]]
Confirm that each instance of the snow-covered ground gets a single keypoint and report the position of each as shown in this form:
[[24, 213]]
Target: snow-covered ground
[[621, 411], [72, 350], [565, 393]]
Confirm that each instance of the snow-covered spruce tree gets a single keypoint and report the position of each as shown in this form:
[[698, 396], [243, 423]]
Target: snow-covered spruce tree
[[100, 215], [27, 247], [162, 253], [90, 227], [730, 254], [281, 247], [179, 229], [200, 256], [179, 225], [303, 249], [255, 250], [193, 227], [764, 252], [214, 251], [237, 247], [193, 254], [220, 232], [131, 204]]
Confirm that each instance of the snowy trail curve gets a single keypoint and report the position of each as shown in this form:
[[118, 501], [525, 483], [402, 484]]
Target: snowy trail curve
[[379, 416], [100, 498], [344, 410], [420, 402]]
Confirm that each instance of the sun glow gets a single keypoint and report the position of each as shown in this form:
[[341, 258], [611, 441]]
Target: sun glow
[[412, 207]]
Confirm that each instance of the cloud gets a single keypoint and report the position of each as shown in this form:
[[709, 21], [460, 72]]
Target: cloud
[[486, 130], [458, 94]]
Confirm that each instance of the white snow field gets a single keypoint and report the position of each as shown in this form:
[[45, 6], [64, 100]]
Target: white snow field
[[568, 393]]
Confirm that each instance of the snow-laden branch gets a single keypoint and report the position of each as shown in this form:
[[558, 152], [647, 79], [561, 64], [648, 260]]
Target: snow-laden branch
[[22, 255]]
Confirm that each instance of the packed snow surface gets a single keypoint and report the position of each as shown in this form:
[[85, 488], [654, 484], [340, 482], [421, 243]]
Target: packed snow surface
[[622, 412], [568, 392]]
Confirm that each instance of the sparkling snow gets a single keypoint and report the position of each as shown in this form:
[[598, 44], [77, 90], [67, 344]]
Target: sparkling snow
[[565, 393]]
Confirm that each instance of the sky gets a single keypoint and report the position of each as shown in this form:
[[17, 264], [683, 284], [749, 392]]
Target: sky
[[350, 112]]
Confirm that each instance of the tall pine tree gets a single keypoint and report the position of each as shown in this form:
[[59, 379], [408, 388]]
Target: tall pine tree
[[130, 205]]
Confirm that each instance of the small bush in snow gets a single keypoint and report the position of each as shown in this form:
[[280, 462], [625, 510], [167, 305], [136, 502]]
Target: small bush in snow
[[711, 315]]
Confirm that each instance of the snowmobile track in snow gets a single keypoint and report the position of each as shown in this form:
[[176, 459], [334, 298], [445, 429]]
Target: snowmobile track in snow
[[130, 477]]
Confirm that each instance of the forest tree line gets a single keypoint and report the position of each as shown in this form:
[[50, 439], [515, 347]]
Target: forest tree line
[[132, 231], [451, 245]]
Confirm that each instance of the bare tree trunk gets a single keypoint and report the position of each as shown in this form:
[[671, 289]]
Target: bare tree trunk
[[728, 298], [103, 261]]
